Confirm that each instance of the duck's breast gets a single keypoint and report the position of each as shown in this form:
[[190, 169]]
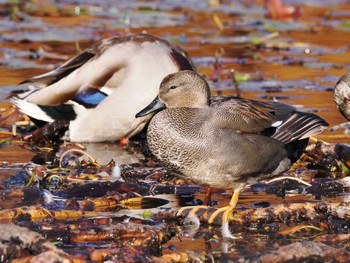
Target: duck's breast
[[174, 139]]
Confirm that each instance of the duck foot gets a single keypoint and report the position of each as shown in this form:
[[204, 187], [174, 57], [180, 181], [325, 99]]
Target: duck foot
[[227, 210]]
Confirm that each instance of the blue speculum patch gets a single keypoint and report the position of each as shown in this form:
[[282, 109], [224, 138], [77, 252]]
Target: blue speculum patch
[[90, 98]]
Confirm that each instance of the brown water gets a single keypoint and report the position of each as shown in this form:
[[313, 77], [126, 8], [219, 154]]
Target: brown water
[[298, 66]]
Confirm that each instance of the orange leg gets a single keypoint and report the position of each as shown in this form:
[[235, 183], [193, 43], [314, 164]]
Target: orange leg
[[207, 197]]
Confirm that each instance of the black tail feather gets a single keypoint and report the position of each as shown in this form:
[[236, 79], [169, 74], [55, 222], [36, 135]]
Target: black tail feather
[[59, 112], [299, 125]]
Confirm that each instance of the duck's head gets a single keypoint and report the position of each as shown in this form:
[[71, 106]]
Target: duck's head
[[183, 89]]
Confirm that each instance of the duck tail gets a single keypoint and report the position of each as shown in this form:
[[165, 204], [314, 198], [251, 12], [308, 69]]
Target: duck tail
[[41, 114], [298, 126]]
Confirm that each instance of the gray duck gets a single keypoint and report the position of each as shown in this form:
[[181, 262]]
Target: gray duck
[[225, 142]]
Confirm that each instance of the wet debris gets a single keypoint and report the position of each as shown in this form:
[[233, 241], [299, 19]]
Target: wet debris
[[20, 242], [88, 208], [329, 188], [125, 254], [283, 213], [139, 241], [23, 195], [189, 256], [329, 157], [74, 208], [305, 251], [300, 251], [98, 212], [126, 234], [49, 134], [334, 239]]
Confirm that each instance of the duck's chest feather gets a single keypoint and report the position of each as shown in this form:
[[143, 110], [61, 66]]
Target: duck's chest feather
[[189, 142], [175, 137]]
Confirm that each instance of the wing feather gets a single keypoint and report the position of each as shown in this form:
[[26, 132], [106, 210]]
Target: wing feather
[[243, 115]]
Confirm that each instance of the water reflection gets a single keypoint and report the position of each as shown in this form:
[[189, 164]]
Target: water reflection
[[105, 152]]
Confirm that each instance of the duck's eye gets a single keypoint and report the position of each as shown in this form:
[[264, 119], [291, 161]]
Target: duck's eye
[[173, 87]]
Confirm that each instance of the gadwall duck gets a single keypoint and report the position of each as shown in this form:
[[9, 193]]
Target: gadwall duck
[[230, 142], [341, 97], [100, 90]]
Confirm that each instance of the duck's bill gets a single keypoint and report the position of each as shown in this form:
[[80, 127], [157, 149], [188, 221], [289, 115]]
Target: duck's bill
[[154, 106]]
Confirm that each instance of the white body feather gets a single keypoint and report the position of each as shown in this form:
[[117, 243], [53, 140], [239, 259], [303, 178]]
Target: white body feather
[[135, 70]]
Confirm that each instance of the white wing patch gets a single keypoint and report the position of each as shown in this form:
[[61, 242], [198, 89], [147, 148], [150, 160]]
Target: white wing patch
[[276, 124], [31, 110]]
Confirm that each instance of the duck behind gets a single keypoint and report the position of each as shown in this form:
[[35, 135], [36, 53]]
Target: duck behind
[[100, 90]]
